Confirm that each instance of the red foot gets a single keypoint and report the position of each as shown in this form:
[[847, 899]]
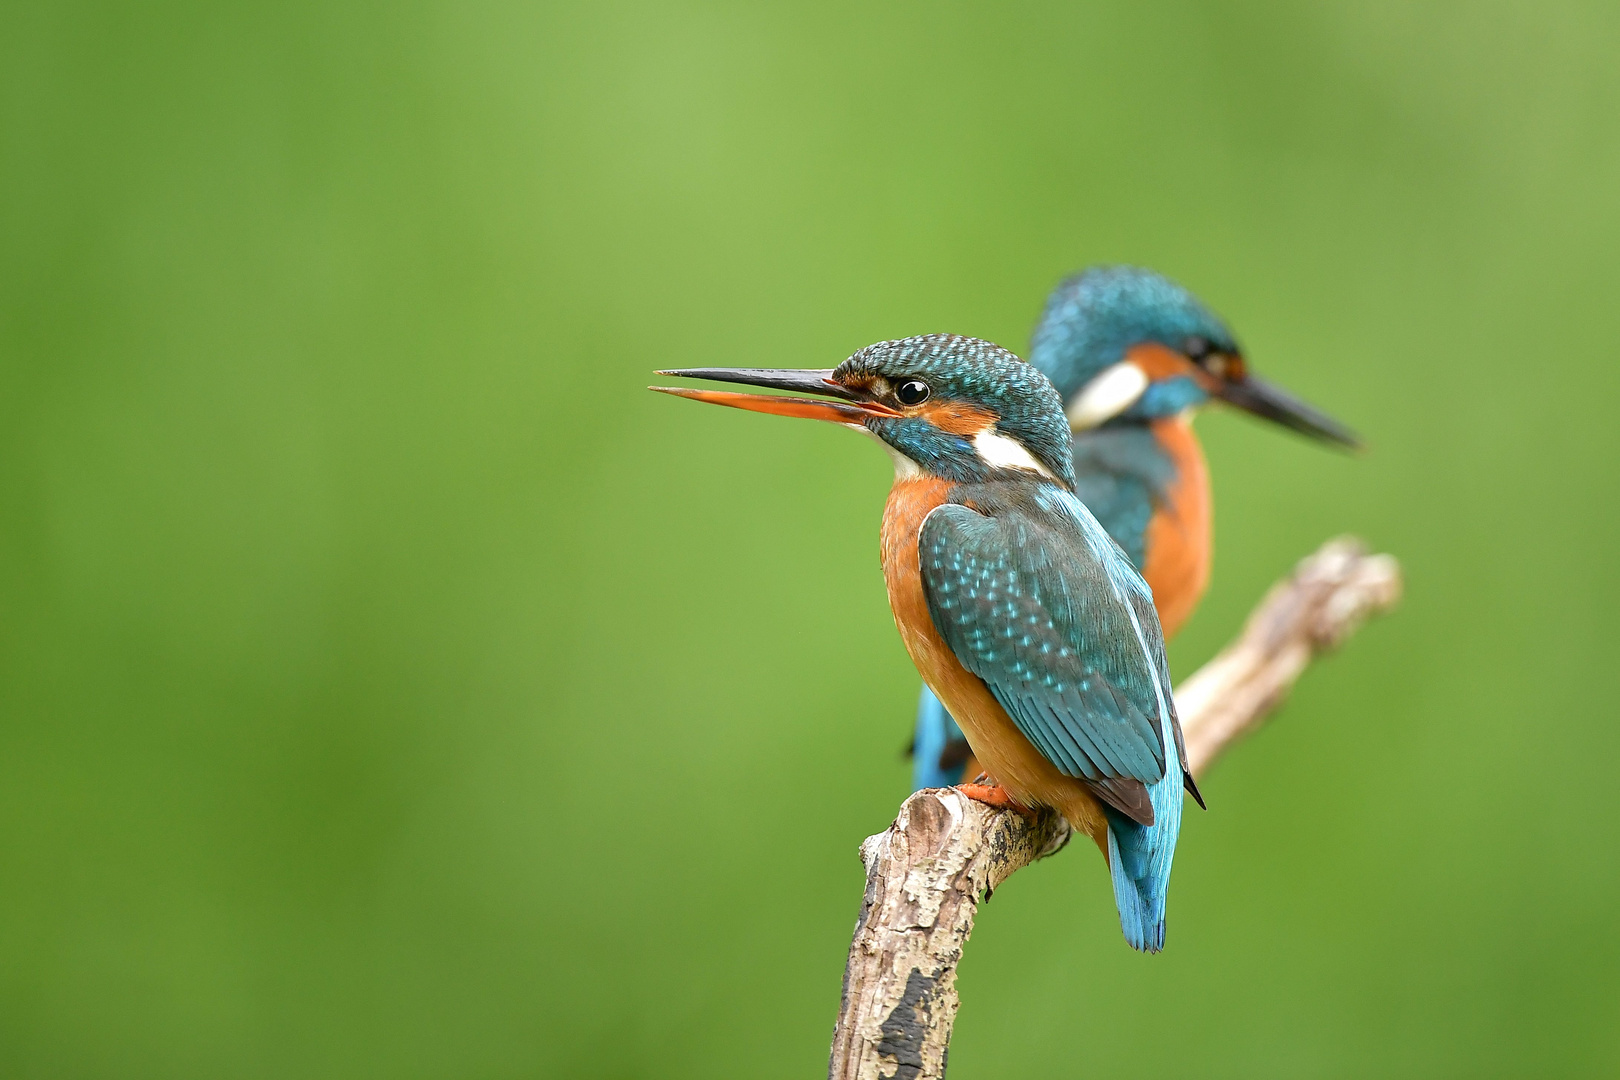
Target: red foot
[[991, 794]]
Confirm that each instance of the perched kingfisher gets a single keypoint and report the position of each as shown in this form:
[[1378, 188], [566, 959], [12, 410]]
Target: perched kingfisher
[[1030, 624], [1134, 354]]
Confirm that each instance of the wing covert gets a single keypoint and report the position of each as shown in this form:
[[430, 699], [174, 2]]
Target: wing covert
[[1031, 607]]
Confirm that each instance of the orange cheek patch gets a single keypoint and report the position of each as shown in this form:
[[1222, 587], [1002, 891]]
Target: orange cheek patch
[[958, 418], [1160, 362], [1234, 368]]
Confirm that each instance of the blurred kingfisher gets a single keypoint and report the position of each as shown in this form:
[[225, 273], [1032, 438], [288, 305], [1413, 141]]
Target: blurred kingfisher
[[1133, 354], [1030, 624]]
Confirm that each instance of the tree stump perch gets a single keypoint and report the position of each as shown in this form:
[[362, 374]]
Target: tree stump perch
[[926, 874]]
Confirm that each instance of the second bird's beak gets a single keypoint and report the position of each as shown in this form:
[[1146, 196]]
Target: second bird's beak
[[852, 409], [1279, 406]]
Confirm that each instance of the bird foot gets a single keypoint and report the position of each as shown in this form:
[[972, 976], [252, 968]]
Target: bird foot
[[985, 789]]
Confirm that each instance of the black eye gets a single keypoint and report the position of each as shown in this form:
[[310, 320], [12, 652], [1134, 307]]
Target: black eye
[[912, 392], [1196, 347]]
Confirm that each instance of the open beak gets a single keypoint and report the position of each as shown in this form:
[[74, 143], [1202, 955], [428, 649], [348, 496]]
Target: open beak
[[1279, 406], [851, 410]]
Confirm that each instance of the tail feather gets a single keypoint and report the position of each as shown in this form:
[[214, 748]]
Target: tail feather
[[1137, 895], [1139, 858], [932, 765]]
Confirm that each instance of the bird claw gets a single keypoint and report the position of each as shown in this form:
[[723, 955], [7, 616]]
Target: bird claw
[[985, 789]]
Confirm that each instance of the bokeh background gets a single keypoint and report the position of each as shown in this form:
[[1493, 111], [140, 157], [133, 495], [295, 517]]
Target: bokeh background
[[390, 686]]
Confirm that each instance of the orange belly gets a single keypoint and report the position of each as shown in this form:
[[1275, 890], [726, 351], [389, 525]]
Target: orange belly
[[997, 743], [1177, 546]]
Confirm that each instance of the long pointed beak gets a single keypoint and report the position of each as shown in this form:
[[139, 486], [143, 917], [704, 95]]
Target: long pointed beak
[[1270, 401], [852, 410], [795, 380]]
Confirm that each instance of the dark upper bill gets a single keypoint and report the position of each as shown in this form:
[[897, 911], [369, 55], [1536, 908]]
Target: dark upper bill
[[852, 410], [1266, 399]]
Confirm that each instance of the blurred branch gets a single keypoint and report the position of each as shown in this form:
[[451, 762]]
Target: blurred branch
[[926, 874]]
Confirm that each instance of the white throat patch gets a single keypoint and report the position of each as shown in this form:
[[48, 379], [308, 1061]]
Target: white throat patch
[[999, 452], [1109, 393], [904, 467]]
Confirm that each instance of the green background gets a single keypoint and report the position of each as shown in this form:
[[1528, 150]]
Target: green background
[[390, 686]]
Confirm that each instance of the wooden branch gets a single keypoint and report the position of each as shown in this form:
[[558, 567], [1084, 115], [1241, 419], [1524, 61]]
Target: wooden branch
[[926, 874]]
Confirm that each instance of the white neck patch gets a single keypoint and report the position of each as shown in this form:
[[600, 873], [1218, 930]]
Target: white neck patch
[[904, 467], [999, 452], [1109, 393]]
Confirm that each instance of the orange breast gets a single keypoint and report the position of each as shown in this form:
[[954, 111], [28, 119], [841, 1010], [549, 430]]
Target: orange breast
[[1177, 547], [997, 743]]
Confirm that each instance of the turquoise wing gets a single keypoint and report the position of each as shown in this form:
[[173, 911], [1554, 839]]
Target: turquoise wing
[[1122, 473], [1038, 602]]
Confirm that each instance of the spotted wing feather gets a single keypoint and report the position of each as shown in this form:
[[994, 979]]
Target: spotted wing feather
[[1062, 631]]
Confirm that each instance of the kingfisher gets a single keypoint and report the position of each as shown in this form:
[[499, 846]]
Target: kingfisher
[[1133, 355], [1022, 615]]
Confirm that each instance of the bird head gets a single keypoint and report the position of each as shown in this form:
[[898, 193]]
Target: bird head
[[1121, 342], [953, 407]]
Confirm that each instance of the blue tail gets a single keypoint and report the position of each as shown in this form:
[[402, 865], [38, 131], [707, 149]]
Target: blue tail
[[936, 729], [1139, 858]]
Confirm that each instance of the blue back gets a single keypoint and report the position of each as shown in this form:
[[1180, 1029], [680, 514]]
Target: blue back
[[1120, 473], [1024, 586]]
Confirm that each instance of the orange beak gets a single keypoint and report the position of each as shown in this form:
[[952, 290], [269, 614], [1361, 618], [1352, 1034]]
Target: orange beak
[[852, 410]]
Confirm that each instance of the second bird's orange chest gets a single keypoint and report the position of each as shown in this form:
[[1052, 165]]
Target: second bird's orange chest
[[1176, 550]]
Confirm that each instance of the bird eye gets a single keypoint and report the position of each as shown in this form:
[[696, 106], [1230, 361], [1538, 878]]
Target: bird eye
[[1196, 347], [912, 392]]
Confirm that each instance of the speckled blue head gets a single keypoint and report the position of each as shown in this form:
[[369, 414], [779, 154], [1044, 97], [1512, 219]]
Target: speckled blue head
[[1093, 319], [1123, 344], [979, 397], [947, 406]]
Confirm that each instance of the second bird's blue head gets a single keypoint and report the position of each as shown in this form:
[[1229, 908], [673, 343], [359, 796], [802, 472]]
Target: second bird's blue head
[[1122, 343], [943, 405]]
